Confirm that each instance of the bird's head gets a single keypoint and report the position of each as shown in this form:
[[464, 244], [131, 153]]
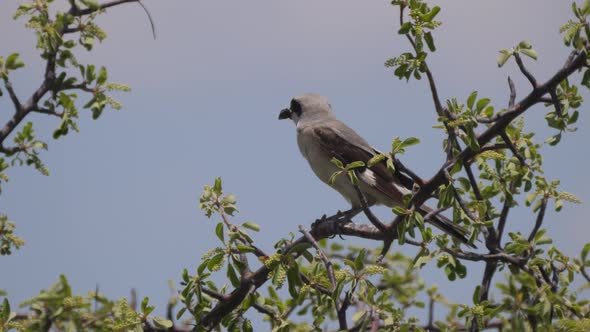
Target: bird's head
[[307, 107]]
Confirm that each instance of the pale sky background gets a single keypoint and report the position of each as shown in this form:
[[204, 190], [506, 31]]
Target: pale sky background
[[120, 208]]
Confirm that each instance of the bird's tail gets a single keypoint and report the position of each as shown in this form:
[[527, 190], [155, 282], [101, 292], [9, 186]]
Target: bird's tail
[[446, 225]]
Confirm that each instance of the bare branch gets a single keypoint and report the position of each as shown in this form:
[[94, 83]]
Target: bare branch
[[512, 97], [48, 111], [556, 102], [540, 217], [372, 218], [503, 217], [402, 168], [17, 105], [525, 71]]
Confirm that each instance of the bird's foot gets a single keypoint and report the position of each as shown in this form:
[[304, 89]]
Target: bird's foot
[[337, 221]]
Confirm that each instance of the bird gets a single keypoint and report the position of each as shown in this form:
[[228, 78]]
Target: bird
[[322, 137]]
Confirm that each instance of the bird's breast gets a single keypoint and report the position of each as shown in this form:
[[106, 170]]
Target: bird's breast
[[318, 159]]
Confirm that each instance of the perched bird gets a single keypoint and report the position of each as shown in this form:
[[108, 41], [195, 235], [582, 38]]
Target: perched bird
[[321, 137]]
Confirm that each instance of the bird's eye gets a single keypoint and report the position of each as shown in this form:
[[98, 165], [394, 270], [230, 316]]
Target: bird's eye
[[295, 107]]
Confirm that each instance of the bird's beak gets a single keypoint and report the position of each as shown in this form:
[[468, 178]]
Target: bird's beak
[[285, 114]]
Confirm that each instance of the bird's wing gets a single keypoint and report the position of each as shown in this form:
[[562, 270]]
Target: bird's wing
[[347, 146]]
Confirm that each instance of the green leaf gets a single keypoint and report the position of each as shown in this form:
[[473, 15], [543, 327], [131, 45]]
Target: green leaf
[[102, 76], [481, 104], [219, 232], [410, 141], [217, 187], [476, 294], [405, 28], [5, 311], [162, 323], [376, 159], [586, 79], [503, 57], [337, 162], [333, 178], [355, 164], [359, 261], [525, 45], [471, 99], [245, 249], [530, 53], [429, 41], [431, 14], [145, 308], [13, 62], [390, 166], [585, 251], [353, 178], [251, 225], [215, 262], [400, 211]]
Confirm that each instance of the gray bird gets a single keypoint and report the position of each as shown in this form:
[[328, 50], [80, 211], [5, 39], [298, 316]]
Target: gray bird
[[321, 137]]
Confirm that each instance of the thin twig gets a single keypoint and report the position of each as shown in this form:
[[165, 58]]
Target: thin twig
[[512, 148], [540, 217], [15, 101], [525, 71], [512, 88], [372, 218], [48, 111], [403, 169], [556, 102], [503, 217]]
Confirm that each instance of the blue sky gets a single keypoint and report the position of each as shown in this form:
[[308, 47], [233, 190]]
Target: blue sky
[[120, 208]]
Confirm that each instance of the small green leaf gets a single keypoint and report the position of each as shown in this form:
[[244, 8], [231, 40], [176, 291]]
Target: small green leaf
[[530, 53], [337, 162], [376, 159], [481, 104], [251, 225], [355, 164], [525, 45], [162, 323], [245, 249], [219, 231], [503, 57], [476, 294], [353, 178], [13, 62], [585, 251], [333, 178], [217, 187], [429, 41], [102, 76], [431, 14], [405, 28], [410, 141], [471, 99], [390, 166]]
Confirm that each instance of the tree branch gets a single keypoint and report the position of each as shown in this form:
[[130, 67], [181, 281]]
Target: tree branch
[[497, 127], [15, 101], [525, 71]]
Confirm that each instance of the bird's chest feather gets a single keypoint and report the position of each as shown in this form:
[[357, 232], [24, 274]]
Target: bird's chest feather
[[318, 159]]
